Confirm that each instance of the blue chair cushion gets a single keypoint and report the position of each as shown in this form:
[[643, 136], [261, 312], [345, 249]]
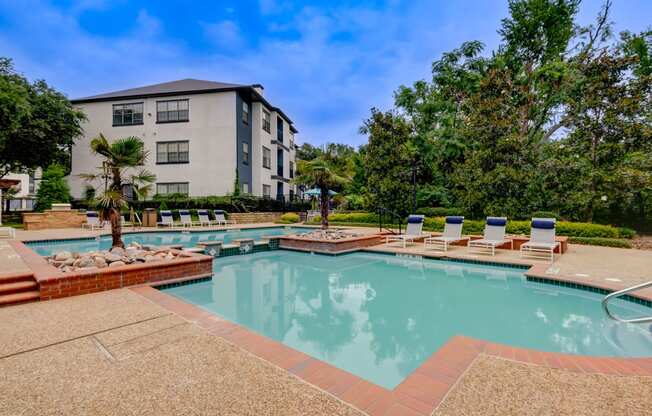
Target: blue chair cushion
[[219, 211], [454, 220], [166, 214], [202, 212], [414, 219], [92, 214], [499, 222], [183, 212], [543, 224]]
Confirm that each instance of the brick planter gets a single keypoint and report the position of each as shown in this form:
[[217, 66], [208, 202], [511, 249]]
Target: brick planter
[[54, 283], [329, 247], [53, 219]]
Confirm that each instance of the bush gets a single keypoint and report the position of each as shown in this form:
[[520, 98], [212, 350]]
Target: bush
[[600, 241], [626, 232], [545, 214], [353, 217], [289, 218], [439, 211], [53, 188]]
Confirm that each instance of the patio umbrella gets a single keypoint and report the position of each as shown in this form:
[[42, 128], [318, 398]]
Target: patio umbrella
[[317, 192]]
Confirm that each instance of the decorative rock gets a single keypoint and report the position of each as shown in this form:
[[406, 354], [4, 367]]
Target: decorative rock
[[100, 262], [86, 262], [63, 256], [111, 257], [131, 251], [117, 251], [117, 264]]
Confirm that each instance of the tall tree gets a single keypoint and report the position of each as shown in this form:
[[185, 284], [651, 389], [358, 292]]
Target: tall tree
[[37, 124]]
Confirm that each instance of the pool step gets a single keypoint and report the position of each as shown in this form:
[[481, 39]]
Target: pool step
[[18, 289]]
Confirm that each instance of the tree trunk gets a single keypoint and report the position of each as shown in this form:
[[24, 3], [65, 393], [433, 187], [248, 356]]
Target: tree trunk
[[324, 207], [116, 228]]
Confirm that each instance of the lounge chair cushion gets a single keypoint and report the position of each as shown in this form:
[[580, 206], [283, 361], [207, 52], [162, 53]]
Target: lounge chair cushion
[[454, 220], [184, 212], [219, 211], [92, 214], [496, 221], [540, 245], [202, 212], [543, 224], [415, 219]]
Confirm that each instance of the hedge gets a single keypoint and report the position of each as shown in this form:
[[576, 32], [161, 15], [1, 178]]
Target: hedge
[[288, 218], [564, 228], [599, 241]]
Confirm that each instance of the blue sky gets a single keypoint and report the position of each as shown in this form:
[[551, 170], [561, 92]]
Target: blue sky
[[325, 63]]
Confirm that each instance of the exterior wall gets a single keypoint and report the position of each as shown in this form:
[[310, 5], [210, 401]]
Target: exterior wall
[[211, 133], [261, 175], [23, 200]]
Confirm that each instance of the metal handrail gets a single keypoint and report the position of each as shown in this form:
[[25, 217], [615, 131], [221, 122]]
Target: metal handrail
[[610, 296], [392, 214]]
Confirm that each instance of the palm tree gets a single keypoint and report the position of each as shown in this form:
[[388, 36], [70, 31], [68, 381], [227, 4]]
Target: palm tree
[[321, 173], [119, 156]]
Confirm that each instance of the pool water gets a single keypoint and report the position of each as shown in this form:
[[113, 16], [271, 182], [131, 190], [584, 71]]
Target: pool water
[[160, 238], [379, 317]]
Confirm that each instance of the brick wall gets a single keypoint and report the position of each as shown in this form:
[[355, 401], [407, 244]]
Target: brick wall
[[306, 244], [53, 219], [79, 283]]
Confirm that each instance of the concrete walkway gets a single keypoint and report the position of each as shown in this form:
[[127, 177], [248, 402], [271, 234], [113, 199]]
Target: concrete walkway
[[116, 353]]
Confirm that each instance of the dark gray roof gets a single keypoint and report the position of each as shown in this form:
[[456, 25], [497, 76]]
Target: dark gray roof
[[182, 87], [173, 87]]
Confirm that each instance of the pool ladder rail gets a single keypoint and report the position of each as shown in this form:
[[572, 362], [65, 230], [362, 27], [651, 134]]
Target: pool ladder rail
[[605, 304]]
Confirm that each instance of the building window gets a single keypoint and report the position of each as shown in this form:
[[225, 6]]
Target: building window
[[267, 191], [279, 129], [291, 170], [245, 188], [267, 158], [245, 113], [291, 194], [172, 152], [172, 111], [279, 162], [172, 188], [127, 114], [279, 191], [267, 121], [245, 153]]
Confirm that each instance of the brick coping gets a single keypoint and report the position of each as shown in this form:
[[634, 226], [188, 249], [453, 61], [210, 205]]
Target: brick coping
[[421, 392]]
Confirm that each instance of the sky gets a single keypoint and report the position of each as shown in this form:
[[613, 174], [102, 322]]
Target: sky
[[326, 64]]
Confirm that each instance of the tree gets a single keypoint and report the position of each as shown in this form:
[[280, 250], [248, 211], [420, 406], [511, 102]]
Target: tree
[[120, 158], [53, 188], [320, 173], [390, 155], [37, 124]]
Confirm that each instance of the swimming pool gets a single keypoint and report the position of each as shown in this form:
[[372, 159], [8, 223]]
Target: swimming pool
[[160, 238], [379, 316]]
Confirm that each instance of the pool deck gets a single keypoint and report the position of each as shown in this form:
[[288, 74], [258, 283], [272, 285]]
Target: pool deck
[[141, 351]]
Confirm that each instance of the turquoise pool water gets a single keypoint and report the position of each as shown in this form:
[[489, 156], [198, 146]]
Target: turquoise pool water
[[380, 316], [159, 238]]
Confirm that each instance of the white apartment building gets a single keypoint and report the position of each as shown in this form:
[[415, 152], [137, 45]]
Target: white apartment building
[[198, 133]]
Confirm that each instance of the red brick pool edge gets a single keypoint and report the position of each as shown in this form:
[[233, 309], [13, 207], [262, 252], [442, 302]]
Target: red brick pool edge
[[421, 392]]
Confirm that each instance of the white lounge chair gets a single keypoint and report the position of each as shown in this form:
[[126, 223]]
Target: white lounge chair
[[220, 218], [413, 231], [452, 234], [7, 232], [92, 220], [204, 219], [186, 218], [542, 239], [494, 236], [166, 219]]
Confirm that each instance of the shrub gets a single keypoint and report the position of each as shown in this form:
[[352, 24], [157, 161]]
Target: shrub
[[289, 218], [626, 232], [545, 214], [600, 241], [439, 211], [53, 188]]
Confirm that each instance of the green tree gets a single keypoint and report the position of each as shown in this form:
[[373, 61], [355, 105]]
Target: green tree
[[120, 159], [389, 157], [321, 173], [37, 124], [53, 188]]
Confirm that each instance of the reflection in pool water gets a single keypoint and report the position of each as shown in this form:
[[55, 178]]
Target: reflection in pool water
[[160, 238], [380, 316]]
